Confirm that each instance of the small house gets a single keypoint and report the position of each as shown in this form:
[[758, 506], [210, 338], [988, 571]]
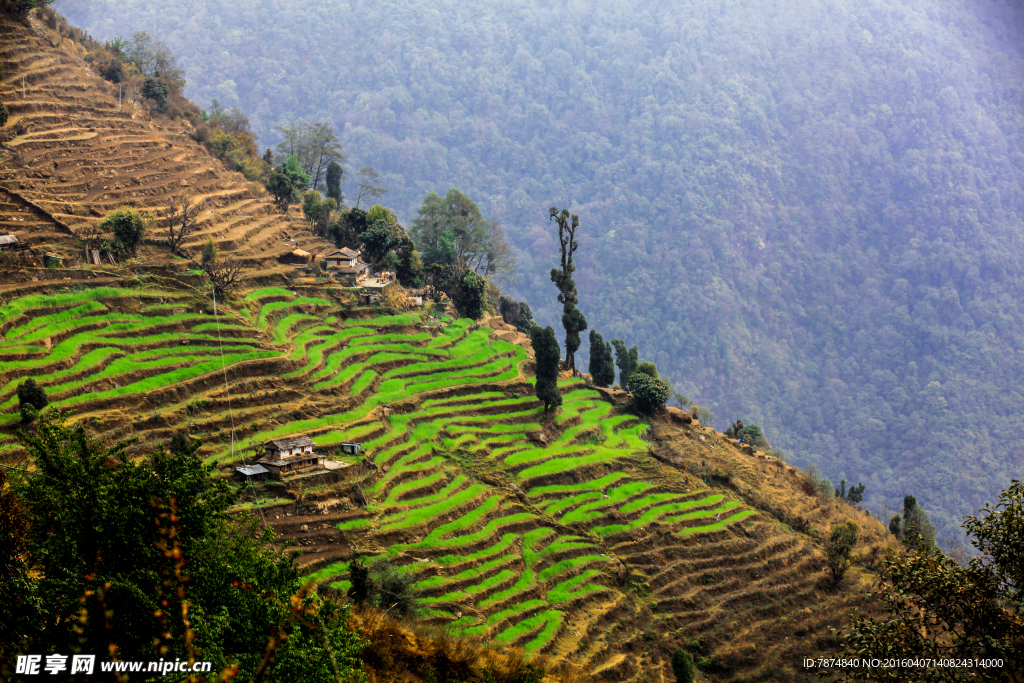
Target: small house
[[342, 258], [347, 264], [288, 456], [298, 257], [251, 472], [351, 448], [11, 243]]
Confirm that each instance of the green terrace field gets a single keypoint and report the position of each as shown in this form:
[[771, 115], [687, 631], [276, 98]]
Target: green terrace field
[[557, 533]]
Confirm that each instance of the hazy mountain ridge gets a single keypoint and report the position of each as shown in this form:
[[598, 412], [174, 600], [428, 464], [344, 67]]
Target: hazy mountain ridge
[[808, 216]]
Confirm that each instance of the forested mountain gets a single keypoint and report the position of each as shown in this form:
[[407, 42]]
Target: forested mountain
[[808, 213]]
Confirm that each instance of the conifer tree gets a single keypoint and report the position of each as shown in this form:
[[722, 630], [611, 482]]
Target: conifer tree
[[334, 175], [602, 366], [572, 318], [545, 349], [627, 360]]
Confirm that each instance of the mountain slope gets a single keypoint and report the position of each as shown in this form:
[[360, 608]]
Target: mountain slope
[[73, 153], [589, 534], [806, 213]]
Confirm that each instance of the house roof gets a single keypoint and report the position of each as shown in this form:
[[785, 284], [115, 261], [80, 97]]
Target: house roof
[[252, 470], [300, 252], [9, 239], [290, 442], [346, 254], [281, 462]]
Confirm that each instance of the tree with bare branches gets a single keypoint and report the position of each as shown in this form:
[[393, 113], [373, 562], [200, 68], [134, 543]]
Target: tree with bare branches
[[182, 215], [225, 274], [89, 234], [316, 147], [370, 186]]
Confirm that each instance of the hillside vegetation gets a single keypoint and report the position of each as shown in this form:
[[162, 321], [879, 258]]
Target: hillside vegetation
[[589, 535], [804, 212]]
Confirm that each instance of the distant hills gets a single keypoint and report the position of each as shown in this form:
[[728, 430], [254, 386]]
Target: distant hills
[[807, 213]]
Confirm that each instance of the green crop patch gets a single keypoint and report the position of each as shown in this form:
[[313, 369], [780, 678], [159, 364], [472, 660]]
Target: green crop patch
[[489, 530], [501, 546], [707, 528], [573, 588], [396, 492], [352, 524], [501, 616], [560, 465], [266, 293], [365, 380], [570, 564], [472, 573], [613, 498], [272, 308], [329, 572], [663, 510], [55, 318], [648, 501], [594, 485], [527, 580], [556, 507], [550, 619], [428, 512]]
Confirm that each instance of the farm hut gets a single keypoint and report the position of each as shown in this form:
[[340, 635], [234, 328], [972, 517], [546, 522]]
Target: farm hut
[[11, 243], [251, 472], [351, 448], [291, 455], [297, 257], [53, 261], [366, 298]]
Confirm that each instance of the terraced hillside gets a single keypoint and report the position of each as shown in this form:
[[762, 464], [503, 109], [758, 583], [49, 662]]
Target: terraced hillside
[[72, 153], [589, 534]]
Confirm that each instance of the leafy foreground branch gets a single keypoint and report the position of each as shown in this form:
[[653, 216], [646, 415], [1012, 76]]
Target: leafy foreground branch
[[140, 560], [940, 610]]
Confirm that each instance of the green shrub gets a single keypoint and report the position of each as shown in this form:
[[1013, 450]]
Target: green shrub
[[649, 393], [382, 585], [682, 666], [31, 399], [129, 227], [157, 90], [838, 548]]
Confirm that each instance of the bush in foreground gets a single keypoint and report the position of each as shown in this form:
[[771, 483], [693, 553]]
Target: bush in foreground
[[941, 610], [31, 399], [111, 550]]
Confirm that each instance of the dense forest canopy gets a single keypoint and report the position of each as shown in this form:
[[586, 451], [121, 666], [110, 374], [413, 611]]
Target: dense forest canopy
[[807, 213]]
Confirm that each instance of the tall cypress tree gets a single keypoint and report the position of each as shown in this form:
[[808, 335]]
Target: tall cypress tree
[[545, 349], [334, 174], [602, 367], [627, 360], [572, 318]]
